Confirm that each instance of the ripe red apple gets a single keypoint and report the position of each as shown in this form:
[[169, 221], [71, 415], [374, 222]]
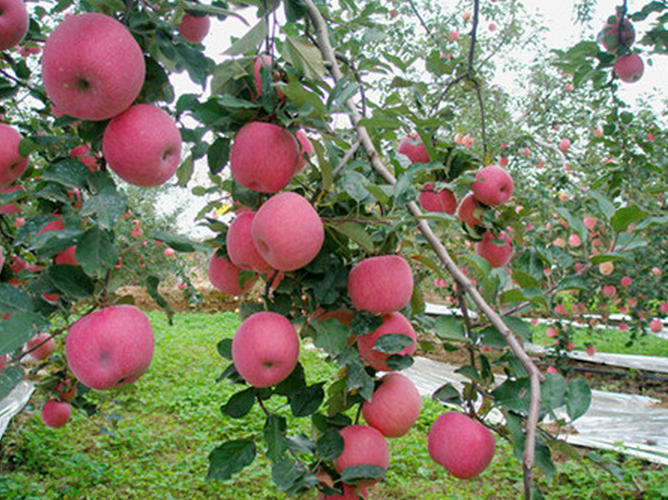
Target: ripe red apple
[[443, 201], [609, 36], [225, 276], [83, 154], [194, 28], [413, 147], [468, 209], [287, 231], [461, 445], [381, 285], [629, 68], [56, 413], [392, 323], [46, 346], [241, 249], [142, 145], [263, 157], [394, 407], [12, 164], [10, 208], [265, 349], [350, 492], [493, 186], [305, 149], [13, 23], [266, 61], [495, 249], [110, 347], [362, 445], [66, 257], [92, 67], [656, 325]]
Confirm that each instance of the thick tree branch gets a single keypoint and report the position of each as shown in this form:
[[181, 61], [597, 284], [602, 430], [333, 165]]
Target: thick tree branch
[[442, 253]]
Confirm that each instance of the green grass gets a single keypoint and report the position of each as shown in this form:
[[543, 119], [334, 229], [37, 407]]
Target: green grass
[[171, 421]]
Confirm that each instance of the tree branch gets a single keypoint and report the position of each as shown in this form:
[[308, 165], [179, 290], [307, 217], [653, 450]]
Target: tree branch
[[442, 253]]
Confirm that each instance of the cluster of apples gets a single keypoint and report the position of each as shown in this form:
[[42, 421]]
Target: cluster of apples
[[617, 37], [493, 186]]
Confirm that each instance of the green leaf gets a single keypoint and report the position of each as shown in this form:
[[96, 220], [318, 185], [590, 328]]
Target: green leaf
[[250, 41], [218, 155], [14, 300], [356, 233], [10, 378], [392, 343], [553, 391], [626, 216], [397, 362], [491, 337], [225, 349], [70, 173], [274, 436], [356, 473], [358, 378], [295, 10], [18, 329], [307, 401], [578, 399], [185, 171], [608, 257], [178, 243], [152, 283], [305, 57], [291, 477], [240, 404], [109, 205], [330, 444], [519, 326], [450, 328], [574, 283], [331, 336], [96, 251], [605, 206], [70, 280], [229, 458], [447, 394], [544, 460], [575, 223]]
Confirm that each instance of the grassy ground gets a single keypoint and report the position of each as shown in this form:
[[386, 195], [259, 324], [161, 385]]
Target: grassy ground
[[151, 441]]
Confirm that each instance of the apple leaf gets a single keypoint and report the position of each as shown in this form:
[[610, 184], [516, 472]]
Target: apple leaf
[[392, 343], [291, 477], [295, 10], [70, 173], [274, 436], [356, 233], [331, 336], [18, 329], [330, 444], [397, 362], [239, 404], [229, 458], [218, 154], [14, 300], [447, 394], [96, 251], [356, 473], [514, 395], [519, 326], [70, 280], [250, 41], [305, 57], [491, 337], [578, 398], [178, 243], [152, 283], [108, 204], [553, 391], [225, 349], [307, 401], [358, 378], [626, 216], [11, 376], [450, 328]]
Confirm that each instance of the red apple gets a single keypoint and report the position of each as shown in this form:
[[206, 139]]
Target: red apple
[[461, 445], [495, 249], [394, 407], [56, 413], [350, 492], [265, 349], [67, 391], [241, 249], [266, 61], [629, 68], [493, 186], [110, 347], [263, 157], [656, 325], [287, 231], [43, 345], [66, 257], [143, 145], [92, 67], [392, 323], [413, 147], [469, 210], [13, 23], [83, 154], [12, 164], [194, 28], [362, 445], [225, 276], [443, 201], [381, 285], [609, 36], [305, 149]]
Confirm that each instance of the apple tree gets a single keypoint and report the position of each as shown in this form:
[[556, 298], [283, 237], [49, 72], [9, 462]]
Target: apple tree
[[359, 149]]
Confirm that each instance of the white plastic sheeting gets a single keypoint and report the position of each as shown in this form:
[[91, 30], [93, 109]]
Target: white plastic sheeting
[[626, 423], [14, 403]]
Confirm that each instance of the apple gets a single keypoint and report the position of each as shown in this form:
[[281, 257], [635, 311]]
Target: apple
[[92, 67], [627, 281], [287, 231], [362, 445], [110, 347], [241, 249], [493, 186], [394, 406], [264, 157], [66, 257], [67, 390], [225, 276], [12, 164], [83, 154], [413, 147], [609, 36], [306, 149], [564, 144], [194, 28], [266, 61], [656, 325], [56, 413], [13, 23], [265, 349], [443, 201], [350, 492], [43, 345], [392, 323], [495, 249], [629, 68], [381, 285], [469, 210], [460, 444], [142, 145]]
